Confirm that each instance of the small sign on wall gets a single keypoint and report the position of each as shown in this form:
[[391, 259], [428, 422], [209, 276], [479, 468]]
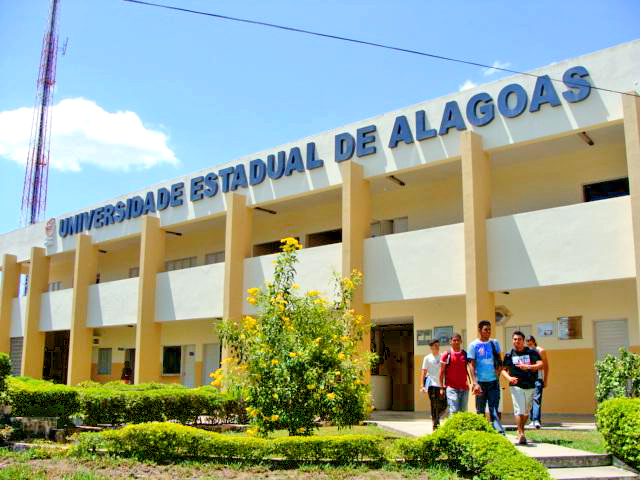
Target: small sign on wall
[[545, 330], [423, 337], [443, 334]]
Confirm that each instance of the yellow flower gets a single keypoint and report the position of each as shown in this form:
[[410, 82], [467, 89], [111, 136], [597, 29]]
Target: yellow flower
[[275, 362], [275, 418], [275, 396], [344, 338], [293, 354], [347, 283], [301, 430], [331, 396], [313, 293], [211, 375], [253, 291], [295, 285], [318, 301], [311, 386], [252, 300], [341, 356]]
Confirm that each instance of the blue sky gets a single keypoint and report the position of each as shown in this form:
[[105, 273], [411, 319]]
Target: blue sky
[[146, 94]]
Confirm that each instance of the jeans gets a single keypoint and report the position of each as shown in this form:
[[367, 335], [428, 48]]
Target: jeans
[[536, 406], [438, 404], [457, 400], [490, 394]]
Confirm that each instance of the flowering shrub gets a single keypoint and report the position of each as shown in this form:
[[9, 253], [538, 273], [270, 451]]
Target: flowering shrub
[[298, 358]]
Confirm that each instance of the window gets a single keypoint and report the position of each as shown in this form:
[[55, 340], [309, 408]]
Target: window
[[171, 357], [180, 263], [104, 361], [15, 353], [386, 227], [269, 247], [324, 238], [569, 328], [134, 272], [216, 257], [53, 286], [609, 189]]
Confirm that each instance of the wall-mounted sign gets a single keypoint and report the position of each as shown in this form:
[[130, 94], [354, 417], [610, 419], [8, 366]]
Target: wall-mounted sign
[[423, 337], [569, 328], [443, 334], [545, 329], [480, 110]]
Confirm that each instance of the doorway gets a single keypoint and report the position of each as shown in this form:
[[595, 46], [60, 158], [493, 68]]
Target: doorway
[[392, 378], [188, 370], [130, 356], [56, 356]]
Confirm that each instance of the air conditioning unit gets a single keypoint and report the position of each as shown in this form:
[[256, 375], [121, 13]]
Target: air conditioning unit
[[503, 314]]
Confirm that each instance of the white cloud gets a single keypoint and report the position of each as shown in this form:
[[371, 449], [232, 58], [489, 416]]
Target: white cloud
[[497, 64], [83, 133], [467, 85]]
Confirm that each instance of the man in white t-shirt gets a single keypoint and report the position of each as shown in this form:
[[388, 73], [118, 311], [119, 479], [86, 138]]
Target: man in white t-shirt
[[430, 381]]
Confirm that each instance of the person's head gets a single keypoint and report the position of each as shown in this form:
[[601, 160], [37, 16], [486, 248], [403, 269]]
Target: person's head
[[531, 342], [484, 330], [456, 341], [435, 346], [518, 340]]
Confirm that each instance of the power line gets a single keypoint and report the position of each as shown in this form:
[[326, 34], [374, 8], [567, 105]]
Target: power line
[[361, 42]]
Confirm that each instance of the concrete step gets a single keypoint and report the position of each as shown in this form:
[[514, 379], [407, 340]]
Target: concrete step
[[592, 473], [557, 456]]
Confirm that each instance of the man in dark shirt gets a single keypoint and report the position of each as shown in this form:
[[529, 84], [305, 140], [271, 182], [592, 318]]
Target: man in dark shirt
[[521, 370]]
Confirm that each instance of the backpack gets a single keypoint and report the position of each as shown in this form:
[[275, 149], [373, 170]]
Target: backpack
[[448, 362], [497, 360]]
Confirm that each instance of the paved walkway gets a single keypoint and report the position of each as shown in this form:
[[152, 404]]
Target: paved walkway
[[562, 462]]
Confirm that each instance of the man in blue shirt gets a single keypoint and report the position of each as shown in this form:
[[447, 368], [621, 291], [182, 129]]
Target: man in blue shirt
[[486, 364]]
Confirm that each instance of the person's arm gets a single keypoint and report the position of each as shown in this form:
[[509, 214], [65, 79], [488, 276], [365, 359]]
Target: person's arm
[[510, 379], [545, 366], [443, 367], [423, 375]]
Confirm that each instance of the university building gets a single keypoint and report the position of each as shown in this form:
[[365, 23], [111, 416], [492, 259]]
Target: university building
[[516, 201]]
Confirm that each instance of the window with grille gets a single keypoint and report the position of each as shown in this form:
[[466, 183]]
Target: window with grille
[[15, 352], [386, 227], [53, 286], [180, 263], [104, 361], [216, 257]]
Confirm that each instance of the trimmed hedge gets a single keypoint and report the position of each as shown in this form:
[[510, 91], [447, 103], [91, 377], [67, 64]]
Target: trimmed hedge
[[479, 453], [619, 422], [38, 398], [167, 442], [117, 404]]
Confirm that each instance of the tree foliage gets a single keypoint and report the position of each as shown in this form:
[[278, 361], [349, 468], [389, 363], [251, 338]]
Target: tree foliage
[[298, 358], [618, 376]]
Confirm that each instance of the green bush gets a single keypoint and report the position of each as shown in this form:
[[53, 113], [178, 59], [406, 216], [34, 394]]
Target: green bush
[[38, 398], [619, 422], [459, 423], [618, 376], [423, 450], [5, 371], [164, 442], [490, 456]]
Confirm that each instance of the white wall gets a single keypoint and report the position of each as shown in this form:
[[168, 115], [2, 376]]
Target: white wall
[[190, 293], [586, 242], [113, 303], [18, 311], [55, 310], [417, 264], [315, 269]]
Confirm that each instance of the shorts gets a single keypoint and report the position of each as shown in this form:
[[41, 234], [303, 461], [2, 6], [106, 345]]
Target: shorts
[[522, 399]]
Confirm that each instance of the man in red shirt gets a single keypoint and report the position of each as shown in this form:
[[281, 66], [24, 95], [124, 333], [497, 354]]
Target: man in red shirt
[[453, 376]]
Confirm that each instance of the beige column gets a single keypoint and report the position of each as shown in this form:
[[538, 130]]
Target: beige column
[[33, 346], [9, 289], [631, 110], [80, 346], [152, 257], [237, 247], [356, 227], [476, 204]]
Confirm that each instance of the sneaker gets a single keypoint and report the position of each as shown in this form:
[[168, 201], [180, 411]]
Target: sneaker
[[537, 425]]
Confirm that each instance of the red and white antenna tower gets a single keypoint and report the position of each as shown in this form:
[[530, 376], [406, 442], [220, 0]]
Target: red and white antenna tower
[[34, 191]]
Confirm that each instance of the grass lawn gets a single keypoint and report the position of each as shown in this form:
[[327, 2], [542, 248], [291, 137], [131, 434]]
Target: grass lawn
[[39, 465], [590, 440]]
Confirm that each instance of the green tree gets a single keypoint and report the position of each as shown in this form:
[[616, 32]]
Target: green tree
[[299, 358], [618, 376]]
